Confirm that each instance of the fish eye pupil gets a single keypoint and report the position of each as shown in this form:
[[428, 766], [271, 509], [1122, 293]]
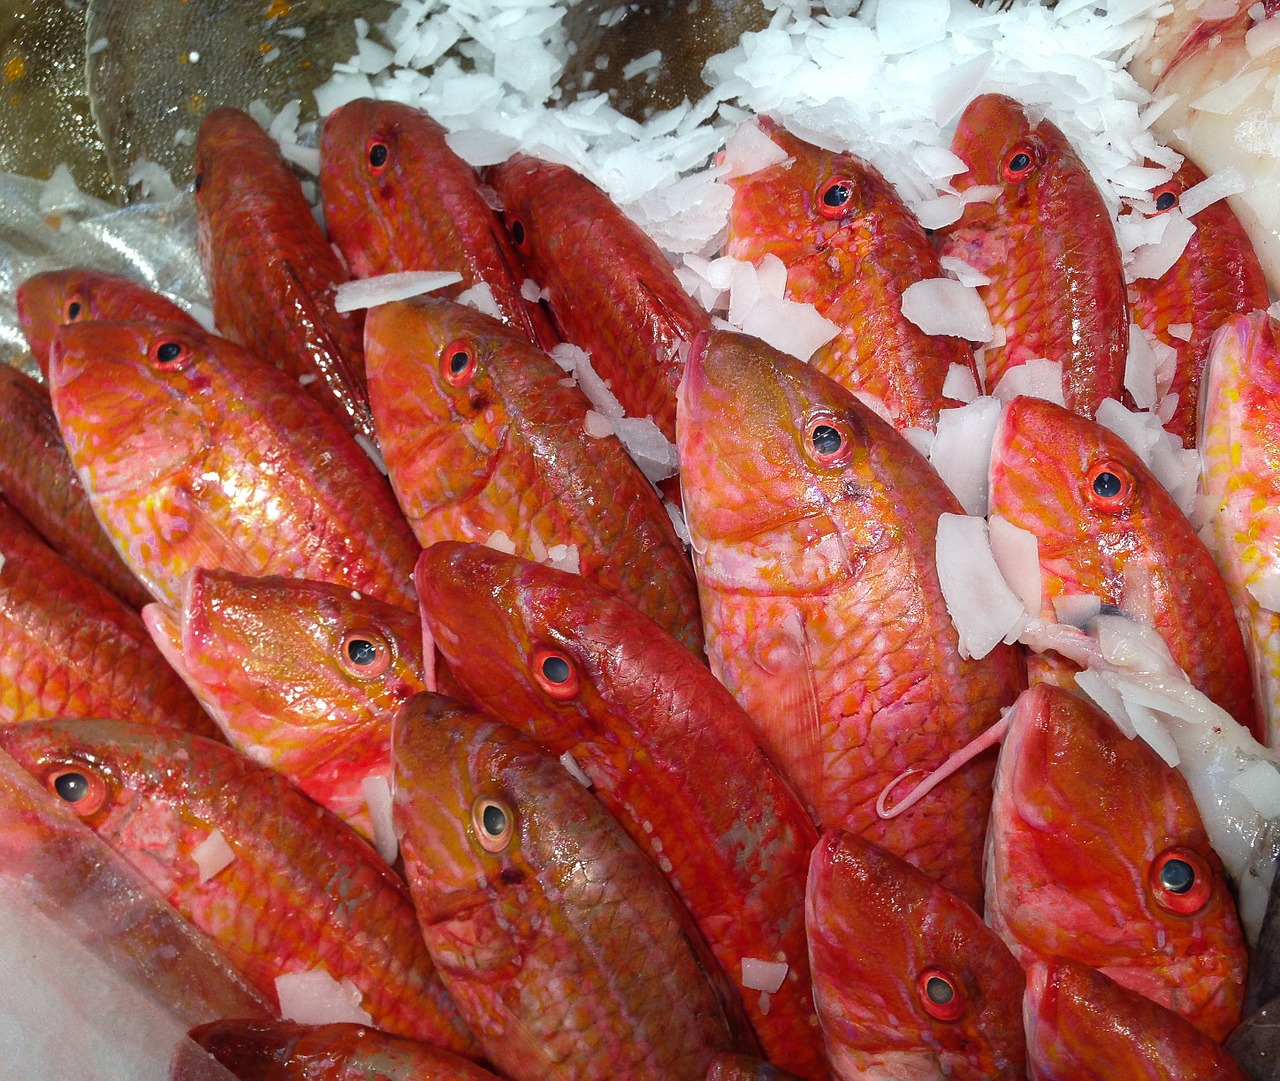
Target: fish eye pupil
[[1107, 485], [1166, 200], [494, 820], [362, 652], [1177, 876], [1020, 162], [458, 362], [939, 991], [73, 310], [168, 351], [837, 194], [517, 232], [72, 787], [199, 182], [556, 669], [378, 155], [826, 440]]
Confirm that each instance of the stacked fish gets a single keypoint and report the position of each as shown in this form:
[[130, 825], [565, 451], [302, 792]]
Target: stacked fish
[[647, 810]]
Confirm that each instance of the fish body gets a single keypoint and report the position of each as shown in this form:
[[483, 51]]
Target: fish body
[[851, 247], [301, 676], [1106, 527], [558, 938], [908, 980], [301, 892], [196, 453], [272, 273], [500, 447], [640, 715], [814, 526], [1049, 246], [745, 1068], [1097, 853], [397, 198], [611, 290]]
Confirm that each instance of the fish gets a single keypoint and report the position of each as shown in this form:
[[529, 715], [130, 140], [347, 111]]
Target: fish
[[272, 273], [68, 647], [40, 483], [1082, 1026], [1217, 275], [1048, 245], [611, 290], [301, 676], [560, 941], [1097, 853], [851, 247], [484, 441], [196, 453], [301, 891], [1253, 1044], [1105, 527], [908, 980], [639, 715], [397, 198], [813, 525]]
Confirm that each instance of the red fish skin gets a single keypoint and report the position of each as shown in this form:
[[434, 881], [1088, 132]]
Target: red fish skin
[[1137, 551], [40, 483], [612, 290], [561, 942], [820, 597], [1049, 246], [215, 458], [70, 648], [423, 208], [504, 449], [271, 271], [876, 927], [1217, 276], [302, 892], [1082, 1026], [853, 267], [1082, 821], [645, 717]]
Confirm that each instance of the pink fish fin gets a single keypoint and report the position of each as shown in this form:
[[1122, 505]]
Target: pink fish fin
[[956, 761], [184, 523]]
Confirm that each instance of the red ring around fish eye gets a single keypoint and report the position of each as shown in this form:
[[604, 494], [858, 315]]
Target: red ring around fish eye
[[494, 823], [941, 995], [1165, 197], [377, 154], [169, 353], [365, 653], [458, 363], [72, 310], [1020, 162], [1181, 880], [1109, 486], [78, 787], [827, 442], [835, 197], [555, 672]]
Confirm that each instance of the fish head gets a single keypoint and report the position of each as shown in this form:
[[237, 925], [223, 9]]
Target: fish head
[[52, 299], [1239, 436], [133, 400], [907, 978], [522, 184]]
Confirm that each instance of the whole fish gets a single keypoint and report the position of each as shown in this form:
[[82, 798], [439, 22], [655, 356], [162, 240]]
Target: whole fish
[[301, 676], [559, 939], [271, 271], [908, 980], [1096, 852], [1105, 527], [640, 716], [196, 453], [851, 247], [397, 198], [1082, 1026], [284, 1051], [40, 483], [813, 526], [300, 892], [1047, 243], [482, 437], [1217, 275], [611, 290], [69, 648], [1238, 429]]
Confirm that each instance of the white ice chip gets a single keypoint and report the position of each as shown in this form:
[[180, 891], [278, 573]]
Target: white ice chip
[[316, 998], [944, 306], [384, 288], [983, 608], [377, 797], [212, 855], [765, 976]]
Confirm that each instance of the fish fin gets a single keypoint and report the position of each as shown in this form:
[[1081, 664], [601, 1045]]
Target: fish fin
[[183, 522]]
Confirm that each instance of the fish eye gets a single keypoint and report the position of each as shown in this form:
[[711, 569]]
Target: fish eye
[[377, 154], [555, 672], [1181, 881], [835, 196], [366, 653], [458, 363], [941, 995], [199, 182], [170, 353], [827, 441], [519, 235], [1165, 198], [1020, 162], [73, 311], [1110, 486], [79, 787], [494, 823]]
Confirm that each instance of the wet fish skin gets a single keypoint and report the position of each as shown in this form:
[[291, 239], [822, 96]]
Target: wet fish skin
[[879, 933], [417, 207], [640, 715], [612, 291], [503, 448], [272, 273], [563, 946], [1083, 824], [214, 458], [302, 892], [818, 579], [852, 261], [1048, 244]]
